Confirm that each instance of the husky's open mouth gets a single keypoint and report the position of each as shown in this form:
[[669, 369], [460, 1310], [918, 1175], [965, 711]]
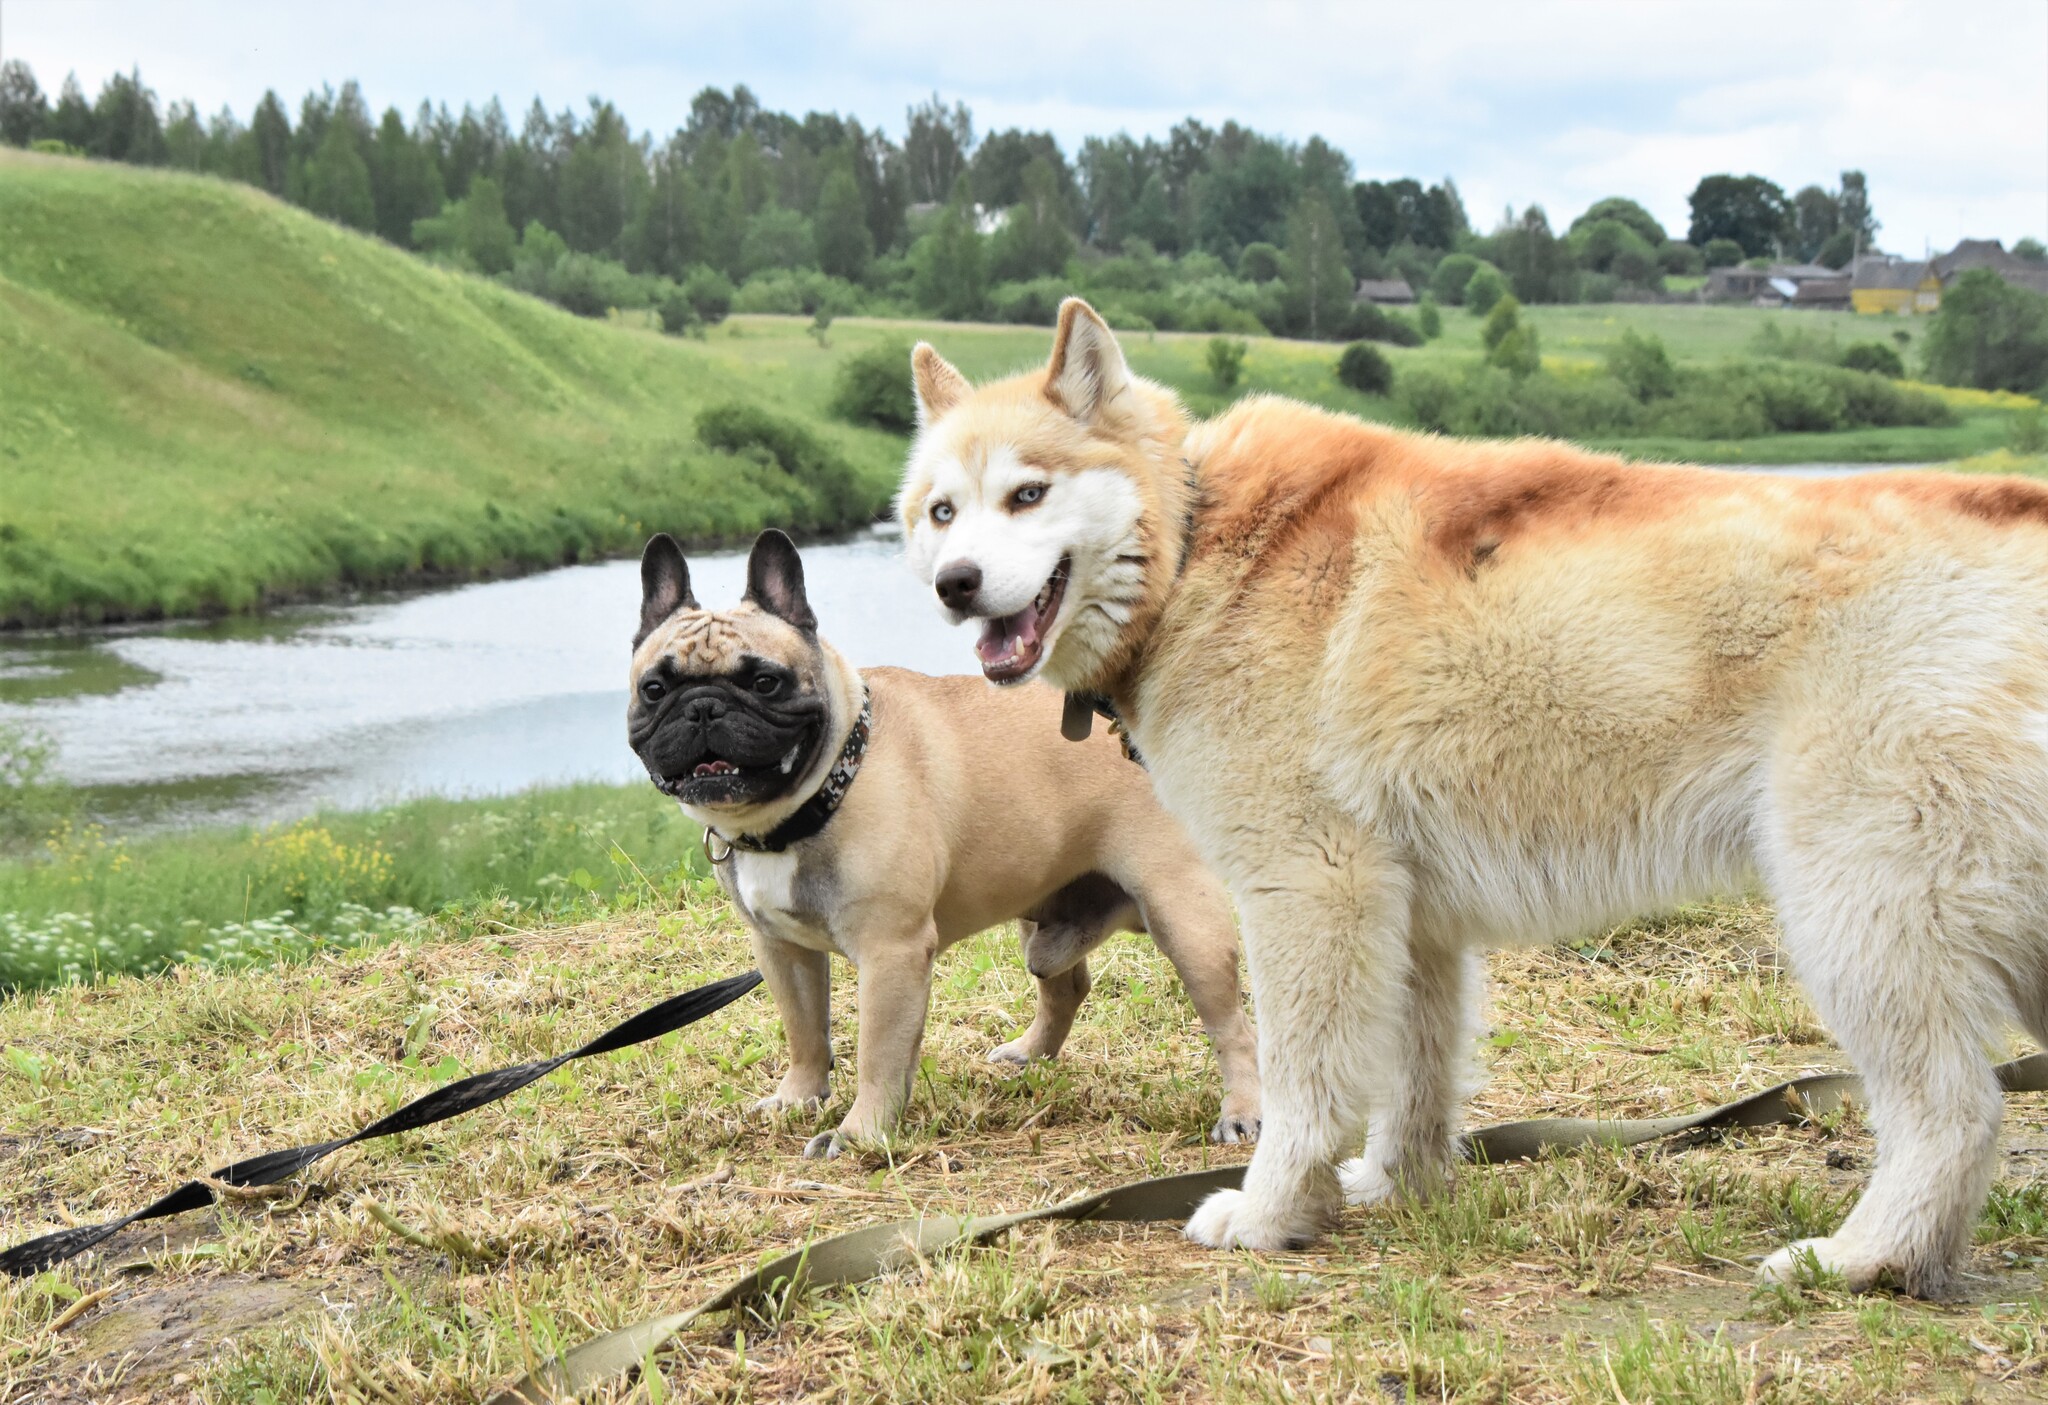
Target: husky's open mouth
[[1010, 647]]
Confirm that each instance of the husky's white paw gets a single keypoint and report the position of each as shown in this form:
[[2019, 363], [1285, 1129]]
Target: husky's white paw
[[1364, 1181], [1229, 1219], [1799, 1262]]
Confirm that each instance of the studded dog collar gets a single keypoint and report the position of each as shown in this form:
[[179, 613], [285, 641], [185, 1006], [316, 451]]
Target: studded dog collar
[[814, 813]]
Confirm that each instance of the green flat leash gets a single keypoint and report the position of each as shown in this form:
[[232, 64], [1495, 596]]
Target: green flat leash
[[864, 1254]]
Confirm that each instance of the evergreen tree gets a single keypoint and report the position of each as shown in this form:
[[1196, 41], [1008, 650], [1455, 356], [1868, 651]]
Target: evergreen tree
[[125, 123], [270, 137], [1319, 286], [72, 122], [184, 138], [24, 111], [336, 182], [936, 142], [845, 245], [405, 181]]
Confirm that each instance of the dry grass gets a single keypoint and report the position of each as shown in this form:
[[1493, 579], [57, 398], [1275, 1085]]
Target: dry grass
[[596, 1197]]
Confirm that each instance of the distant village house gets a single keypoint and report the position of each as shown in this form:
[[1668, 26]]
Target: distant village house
[[1385, 292], [1887, 283]]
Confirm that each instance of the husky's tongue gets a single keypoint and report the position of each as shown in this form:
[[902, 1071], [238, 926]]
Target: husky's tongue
[[1009, 646]]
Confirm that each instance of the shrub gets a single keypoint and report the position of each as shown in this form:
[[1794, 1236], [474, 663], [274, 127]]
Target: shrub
[[2030, 431], [1367, 322], [820, 485], [1873, 356], [1258, 262], [1225, 358], [1517, 352], [1365, 368], [1453, 273], [1503, 317], [872, 387], [1642, 367], [678, 313], [1485, 288], [709, 292], [1721, 253], [1988, 334], [1428, 319], [1034, 303], [1680, 259], [32, 802]]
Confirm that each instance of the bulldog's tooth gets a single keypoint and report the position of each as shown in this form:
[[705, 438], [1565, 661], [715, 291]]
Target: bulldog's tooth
[[789, 761]]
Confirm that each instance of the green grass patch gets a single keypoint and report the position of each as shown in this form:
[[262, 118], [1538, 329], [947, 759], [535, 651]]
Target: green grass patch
[[83, 903]]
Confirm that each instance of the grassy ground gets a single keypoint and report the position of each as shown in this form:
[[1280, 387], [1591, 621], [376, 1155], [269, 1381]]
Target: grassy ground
[[78, 901], [208, 398], [636, 1183]]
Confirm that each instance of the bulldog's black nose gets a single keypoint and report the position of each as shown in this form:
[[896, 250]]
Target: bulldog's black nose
[[957, 584], [703, 710]]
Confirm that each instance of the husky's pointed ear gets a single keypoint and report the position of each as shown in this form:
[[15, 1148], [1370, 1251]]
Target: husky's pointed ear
[[775, 581], [1087, 371], [664, 584], [939, 387]]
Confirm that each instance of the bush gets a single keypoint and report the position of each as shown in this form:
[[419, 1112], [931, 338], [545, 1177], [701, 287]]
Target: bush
[[32, 802], [678, 314], [709, 292], [819, 485], [1428, 320], [1873, 356], [1680, 259], [1452, 275], [1258, 263], [1517, 352], [2030, 431], [1034, 303], [1365, 368], [1642, 367], [1721, 253], [872, 387], [1485, 288], [1503, 317], [1368, 322], [1988, 334], [1225, 357]]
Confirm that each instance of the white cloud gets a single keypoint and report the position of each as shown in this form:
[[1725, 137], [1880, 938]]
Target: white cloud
[[1945, 107]]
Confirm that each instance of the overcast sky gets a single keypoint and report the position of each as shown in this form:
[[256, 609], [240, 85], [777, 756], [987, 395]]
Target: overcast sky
[[1944, 105]]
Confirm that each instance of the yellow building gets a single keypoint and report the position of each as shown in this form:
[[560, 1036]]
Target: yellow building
[[1883, 284]]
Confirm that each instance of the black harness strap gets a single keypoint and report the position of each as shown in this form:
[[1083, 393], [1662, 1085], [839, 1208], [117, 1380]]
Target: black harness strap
[[443, 1103]]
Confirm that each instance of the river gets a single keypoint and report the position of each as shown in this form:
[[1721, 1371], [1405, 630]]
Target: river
[[476, 690]]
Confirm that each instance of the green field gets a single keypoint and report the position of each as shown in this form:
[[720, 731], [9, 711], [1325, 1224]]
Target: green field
[[210, 400]]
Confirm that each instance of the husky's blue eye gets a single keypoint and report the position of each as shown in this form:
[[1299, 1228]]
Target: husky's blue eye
[[1028, 496], [942, 513]]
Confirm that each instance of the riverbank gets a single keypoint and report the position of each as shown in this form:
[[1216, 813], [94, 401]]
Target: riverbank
[[438, 1266], [78, 903]]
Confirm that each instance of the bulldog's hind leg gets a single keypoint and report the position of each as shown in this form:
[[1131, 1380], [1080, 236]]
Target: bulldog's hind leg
[[1188, 917], [1057, 936]]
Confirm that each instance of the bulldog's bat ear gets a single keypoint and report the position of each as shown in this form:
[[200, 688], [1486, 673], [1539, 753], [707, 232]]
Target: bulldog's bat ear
[[775, 581], [664, 584], [938, 385], [1087, 372]]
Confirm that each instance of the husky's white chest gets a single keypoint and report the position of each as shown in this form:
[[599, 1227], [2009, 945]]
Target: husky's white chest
[[766, 888]]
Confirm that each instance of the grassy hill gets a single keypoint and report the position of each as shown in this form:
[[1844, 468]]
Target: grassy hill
[[208, 398]]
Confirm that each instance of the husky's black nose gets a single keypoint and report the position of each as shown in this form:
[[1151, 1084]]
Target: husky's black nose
[[957, 585]]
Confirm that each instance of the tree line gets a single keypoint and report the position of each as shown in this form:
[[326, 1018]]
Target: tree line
[[1218, 229]]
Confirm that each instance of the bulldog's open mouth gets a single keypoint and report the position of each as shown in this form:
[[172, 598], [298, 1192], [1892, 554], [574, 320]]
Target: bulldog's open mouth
[[716, 780], [1011, 646]]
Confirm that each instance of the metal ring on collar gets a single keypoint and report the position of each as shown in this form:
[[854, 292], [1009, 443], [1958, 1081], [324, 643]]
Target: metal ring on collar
[[716, 859]]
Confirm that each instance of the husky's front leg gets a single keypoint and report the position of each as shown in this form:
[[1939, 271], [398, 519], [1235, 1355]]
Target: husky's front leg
[[1326, 938]]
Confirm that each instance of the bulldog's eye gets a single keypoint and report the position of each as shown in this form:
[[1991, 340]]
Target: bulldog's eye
[[767, 683], [653, 689], [1030, 495], [942, 512]]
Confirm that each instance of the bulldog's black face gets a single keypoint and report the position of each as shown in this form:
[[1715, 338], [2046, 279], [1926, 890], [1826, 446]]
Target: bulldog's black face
[[742, 737], [729, 708]]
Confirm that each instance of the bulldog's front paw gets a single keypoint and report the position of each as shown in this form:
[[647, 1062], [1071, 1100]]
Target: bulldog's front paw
[[794, 1093], [1239, 1121], [826, 1146], [1230, 1219], [1016, 1053]]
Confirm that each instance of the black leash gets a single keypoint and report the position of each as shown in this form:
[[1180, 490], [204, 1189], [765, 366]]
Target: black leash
[[443, 1103]]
